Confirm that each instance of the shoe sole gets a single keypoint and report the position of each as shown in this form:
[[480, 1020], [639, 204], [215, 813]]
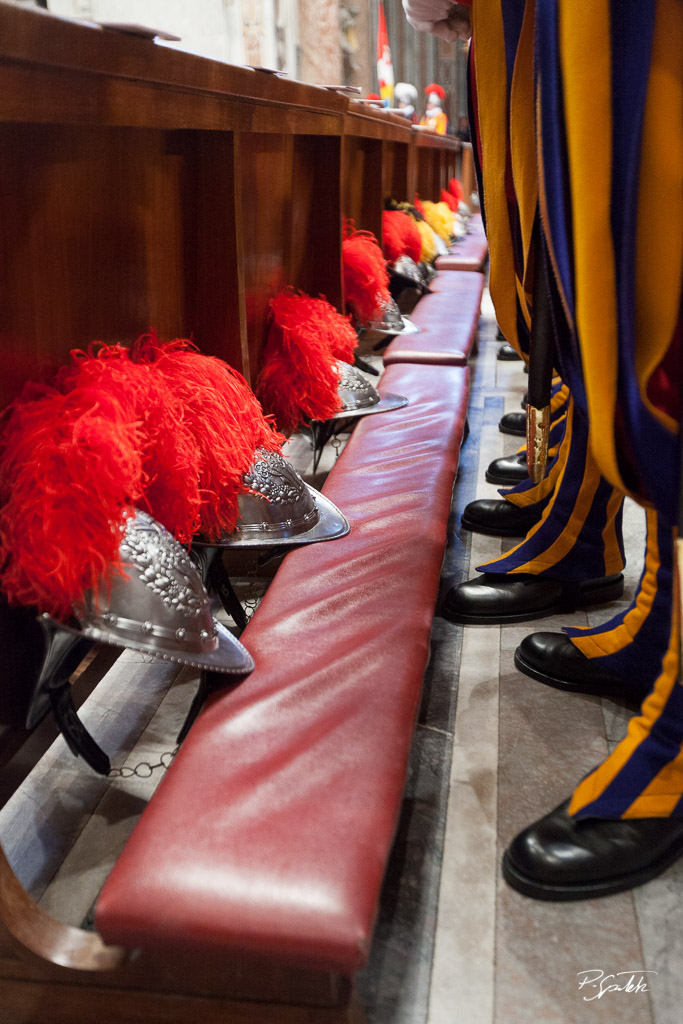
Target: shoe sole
[[514, 433], [491, 531], [618, 689], [570, 603], [505, 481], [586, 890]]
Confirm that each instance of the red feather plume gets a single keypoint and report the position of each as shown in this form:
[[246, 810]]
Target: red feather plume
[[455, 188], [411, 238], [449, 199], [224, 417], [335, 328], [392, 235], [170, 454], [366, 281], [299, 378], [401, 236], [70, 476]]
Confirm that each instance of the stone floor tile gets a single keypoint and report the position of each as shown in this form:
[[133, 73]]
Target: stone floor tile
[[659, 906], [462, 977]]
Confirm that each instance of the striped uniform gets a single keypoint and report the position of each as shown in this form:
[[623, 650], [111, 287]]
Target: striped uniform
[[609, 79], [579, 534]]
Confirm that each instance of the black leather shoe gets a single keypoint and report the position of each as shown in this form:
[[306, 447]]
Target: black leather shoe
[[499, 518], [554, 660], [513, 423], [562, 858], [507, 353], [511, 469], [498, 598]]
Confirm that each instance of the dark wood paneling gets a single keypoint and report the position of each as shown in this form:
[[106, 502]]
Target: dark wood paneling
[[213, 282], [362, 183], [395, 171], [315, 236], [92, 241], [265, 175]]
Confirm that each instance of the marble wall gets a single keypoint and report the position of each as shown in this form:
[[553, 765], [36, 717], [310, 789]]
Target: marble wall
[[320, 41]]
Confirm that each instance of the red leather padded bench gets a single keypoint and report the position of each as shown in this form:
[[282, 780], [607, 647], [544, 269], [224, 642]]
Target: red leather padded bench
[[270, 833], [448, 320], [469, 254]]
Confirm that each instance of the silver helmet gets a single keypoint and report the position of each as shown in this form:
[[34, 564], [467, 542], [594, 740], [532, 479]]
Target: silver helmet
[[359, 397], [160, 605], [157, 606], [406, 268], [278, 508], [386, 319]]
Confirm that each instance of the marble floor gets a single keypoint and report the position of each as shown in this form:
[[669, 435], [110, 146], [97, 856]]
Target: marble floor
[[493, 750]]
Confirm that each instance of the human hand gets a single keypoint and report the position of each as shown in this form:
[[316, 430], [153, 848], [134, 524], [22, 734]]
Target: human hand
[[459, 21]]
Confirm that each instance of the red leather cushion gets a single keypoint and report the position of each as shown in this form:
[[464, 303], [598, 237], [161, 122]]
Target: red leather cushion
[[455, 281], [431, 358], [470, 253], [448, 321], [271, 831]]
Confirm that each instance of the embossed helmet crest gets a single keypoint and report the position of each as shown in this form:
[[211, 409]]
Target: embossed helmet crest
[[387, 319], [359, 397], [160, 607], [278, 508], [407, 269]]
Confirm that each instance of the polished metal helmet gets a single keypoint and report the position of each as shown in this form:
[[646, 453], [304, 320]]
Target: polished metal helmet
[[427, 273], [157, 606], [278, 508], [160, 605], [407, 268], [386, 319], [359, 397]]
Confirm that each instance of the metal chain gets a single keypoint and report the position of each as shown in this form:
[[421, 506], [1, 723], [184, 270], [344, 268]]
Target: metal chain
[[252, 598], [143, 770]]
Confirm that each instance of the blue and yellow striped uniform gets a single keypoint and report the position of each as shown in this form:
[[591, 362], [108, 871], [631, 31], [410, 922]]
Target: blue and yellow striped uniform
[[609, 79]]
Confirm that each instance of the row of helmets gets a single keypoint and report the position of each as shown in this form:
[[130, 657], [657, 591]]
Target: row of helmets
[[129, 456]]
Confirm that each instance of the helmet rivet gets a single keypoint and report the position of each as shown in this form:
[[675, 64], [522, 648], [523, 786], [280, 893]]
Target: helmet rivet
[[148, 627], [180, 634]]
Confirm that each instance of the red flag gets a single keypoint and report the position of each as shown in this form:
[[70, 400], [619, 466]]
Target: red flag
[[385, 69]]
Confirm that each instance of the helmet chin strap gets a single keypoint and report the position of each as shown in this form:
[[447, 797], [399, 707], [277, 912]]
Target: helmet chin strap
[[76, 736], [63, 654]]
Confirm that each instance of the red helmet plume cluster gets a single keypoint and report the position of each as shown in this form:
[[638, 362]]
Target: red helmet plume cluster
[[400, 236], [366, 280], [158, 427], [300, 377]]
